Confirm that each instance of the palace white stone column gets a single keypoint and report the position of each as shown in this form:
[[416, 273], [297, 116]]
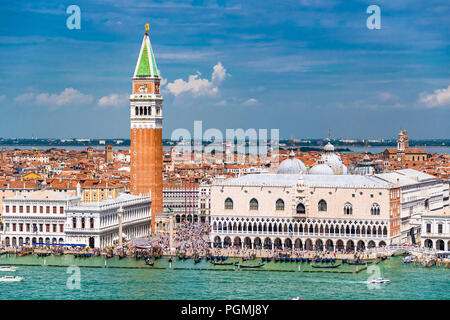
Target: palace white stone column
[[119, 214], [171, 233]]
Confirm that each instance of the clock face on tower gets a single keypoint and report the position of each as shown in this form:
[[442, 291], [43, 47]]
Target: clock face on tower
[[143, 88]]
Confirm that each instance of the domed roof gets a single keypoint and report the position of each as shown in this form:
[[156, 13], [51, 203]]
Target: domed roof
[[329, 147], [334, 162], [321, 168], [331, 159], [291, 165]]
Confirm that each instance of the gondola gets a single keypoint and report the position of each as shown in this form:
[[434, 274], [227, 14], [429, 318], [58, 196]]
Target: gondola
[[277, 259], [224, 258], [293, 260], [197, 260], [344, 261], [223, 263], [263, 259], [283, 259], [268, 259], [318, 260], [384, 258], [250, 266], [170, 259], [359, 263], [325, 266], [149, 263], [298, 259]]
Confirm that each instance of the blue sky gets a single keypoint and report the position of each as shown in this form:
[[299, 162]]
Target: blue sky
[[299, 66]]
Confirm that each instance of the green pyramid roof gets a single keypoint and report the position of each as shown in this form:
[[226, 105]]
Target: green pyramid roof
[[146, 66]]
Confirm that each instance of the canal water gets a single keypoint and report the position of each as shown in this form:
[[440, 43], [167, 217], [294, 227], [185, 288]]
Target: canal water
[[131, 279]]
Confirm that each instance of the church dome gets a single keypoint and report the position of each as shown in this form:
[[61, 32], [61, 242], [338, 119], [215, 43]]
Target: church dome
[[334, 162], [329, 147], [322, 169], [291, 165]]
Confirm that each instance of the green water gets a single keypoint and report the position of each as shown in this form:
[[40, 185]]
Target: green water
[[131, 279]]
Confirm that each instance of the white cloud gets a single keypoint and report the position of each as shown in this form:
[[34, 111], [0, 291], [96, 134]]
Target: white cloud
[[250, 102], [197, 85], [221, 103], [440, 98], [67, 97], [24, 97], [219, 74], [386, 96], [113, 100]]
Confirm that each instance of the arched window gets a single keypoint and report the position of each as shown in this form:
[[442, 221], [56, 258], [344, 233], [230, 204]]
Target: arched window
[[141, 111], [322, 205], [348, 209], [301, 209], [228, 204], [136, 111], [279, 205], [145, 111], [375, 209], [253, 204]]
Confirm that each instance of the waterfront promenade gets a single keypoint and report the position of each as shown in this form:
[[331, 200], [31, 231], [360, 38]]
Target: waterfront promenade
[[192, 241]]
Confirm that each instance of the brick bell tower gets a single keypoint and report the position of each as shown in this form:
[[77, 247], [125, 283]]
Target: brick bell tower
[[146, 129]]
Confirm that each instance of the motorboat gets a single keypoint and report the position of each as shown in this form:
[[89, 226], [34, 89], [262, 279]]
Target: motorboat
[[379, 280], [8, 268], [11, 279]]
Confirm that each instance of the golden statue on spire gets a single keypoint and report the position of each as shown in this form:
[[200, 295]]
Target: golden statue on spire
[[147, 26]]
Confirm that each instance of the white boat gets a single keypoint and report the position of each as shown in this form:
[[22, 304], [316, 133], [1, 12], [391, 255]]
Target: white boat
[[297, 298], [8, 268], [11, 279], [379, 280]]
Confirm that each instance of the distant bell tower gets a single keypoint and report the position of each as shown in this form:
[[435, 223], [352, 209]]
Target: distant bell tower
[[402, 141], [146, 129]]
